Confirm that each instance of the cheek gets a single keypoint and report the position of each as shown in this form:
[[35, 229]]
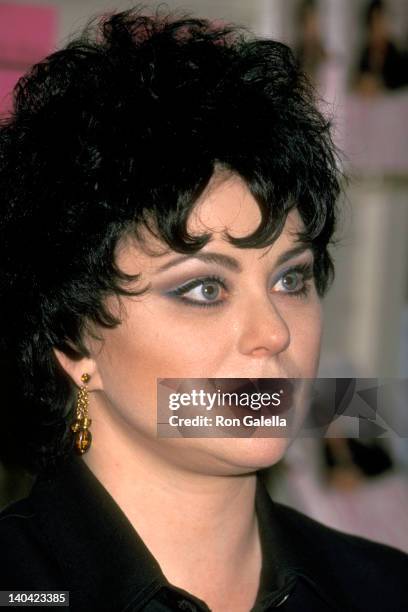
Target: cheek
[[306, 337], [170, 344], [141, 350]]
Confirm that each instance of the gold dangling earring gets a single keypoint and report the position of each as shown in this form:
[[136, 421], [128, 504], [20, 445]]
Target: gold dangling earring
[[79, 427]]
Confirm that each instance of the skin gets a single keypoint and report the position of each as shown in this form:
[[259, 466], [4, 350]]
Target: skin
[[260, 330]]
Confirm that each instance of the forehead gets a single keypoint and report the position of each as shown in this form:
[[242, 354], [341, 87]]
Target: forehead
[[226, 205]]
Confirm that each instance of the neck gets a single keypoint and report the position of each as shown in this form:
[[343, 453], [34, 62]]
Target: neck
[[187, 519]]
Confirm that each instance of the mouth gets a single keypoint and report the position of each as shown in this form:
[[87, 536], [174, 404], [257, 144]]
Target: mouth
[[262, 396], [227, 403]]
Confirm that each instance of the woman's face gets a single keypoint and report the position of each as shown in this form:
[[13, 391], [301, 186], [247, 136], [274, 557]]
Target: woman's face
[[241, 313]]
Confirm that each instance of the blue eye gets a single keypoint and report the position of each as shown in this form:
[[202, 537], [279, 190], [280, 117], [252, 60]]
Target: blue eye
[[205, 291], [295, 280]]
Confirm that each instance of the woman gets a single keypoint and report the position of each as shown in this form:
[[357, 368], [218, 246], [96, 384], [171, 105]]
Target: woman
[[382, 66], [168, 200]]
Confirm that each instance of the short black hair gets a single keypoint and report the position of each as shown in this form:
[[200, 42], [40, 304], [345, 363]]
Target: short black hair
[[126, 125]]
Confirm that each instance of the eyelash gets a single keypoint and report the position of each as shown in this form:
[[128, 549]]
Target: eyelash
[[305, 270]]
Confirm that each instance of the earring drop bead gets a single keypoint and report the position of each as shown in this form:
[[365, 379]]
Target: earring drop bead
[[81, 424]]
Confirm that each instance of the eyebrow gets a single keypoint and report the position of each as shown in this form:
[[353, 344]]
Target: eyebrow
[[230, 262]]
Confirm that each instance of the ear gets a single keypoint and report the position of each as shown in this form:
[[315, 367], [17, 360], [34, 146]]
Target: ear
[[76, 367]]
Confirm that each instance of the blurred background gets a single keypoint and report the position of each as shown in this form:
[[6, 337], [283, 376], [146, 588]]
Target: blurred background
[[356, 52]]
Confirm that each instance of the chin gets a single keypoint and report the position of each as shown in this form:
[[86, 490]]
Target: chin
[[245, 455], [259, 453]]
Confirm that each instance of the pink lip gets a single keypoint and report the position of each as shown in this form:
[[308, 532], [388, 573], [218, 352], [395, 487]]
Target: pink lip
[[284, 386]]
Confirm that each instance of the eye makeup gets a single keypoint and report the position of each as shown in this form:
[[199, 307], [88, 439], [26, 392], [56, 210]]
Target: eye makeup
[[302, 273]]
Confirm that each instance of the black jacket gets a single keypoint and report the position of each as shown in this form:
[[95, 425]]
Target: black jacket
[[70, 535]]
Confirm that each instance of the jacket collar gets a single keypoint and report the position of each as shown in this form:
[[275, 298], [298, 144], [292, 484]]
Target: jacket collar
[[92, 540], [98, 549], [298, 545]]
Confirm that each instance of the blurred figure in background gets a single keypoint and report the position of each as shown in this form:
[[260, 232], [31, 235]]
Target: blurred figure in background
[[310, 50], [348, 461], [382, 65]]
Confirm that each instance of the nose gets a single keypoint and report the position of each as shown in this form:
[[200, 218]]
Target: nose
[[263, 330]]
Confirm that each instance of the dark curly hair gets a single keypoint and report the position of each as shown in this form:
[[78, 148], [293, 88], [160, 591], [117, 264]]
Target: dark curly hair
[[122, 129]]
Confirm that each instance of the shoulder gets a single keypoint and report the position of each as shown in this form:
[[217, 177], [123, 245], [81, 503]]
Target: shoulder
[[24, 562], [367, 571], [328, 537], [16, 525]]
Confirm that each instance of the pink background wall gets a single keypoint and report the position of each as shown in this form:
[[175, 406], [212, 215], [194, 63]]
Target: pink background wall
[[27, 34]]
